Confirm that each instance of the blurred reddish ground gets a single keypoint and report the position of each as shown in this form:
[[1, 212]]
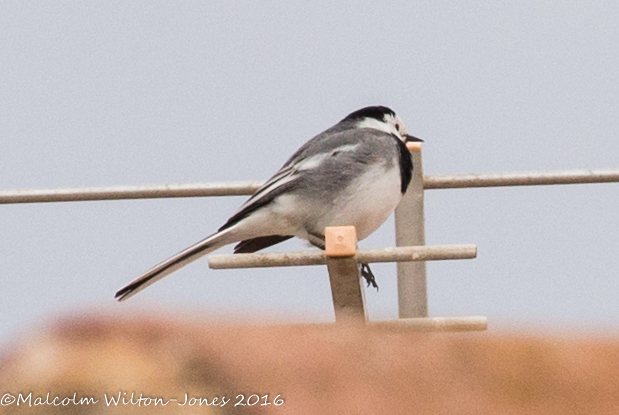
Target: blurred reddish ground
[[316, 369]]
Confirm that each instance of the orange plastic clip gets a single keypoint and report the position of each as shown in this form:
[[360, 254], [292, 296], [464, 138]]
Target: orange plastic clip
[[340, 241], [413, 146]]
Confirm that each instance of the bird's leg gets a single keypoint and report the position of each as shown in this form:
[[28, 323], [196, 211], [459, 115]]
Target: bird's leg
[[318, 240], [367, 273]]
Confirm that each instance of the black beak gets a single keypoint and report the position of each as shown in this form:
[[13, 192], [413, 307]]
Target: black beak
[[410, 138]]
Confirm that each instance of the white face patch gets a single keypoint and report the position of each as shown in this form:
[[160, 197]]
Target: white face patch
[[388, 126]]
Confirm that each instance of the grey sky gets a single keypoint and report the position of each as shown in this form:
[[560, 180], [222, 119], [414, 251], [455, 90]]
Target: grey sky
[[111, 93]]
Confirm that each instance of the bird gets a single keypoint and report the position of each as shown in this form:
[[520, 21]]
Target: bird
[[353, 173]]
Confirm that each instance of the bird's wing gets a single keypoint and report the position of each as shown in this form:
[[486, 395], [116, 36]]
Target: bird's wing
[[310, 156], [283, 181]]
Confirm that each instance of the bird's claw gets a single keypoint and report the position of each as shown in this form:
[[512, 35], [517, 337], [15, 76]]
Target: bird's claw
[[367, 273]]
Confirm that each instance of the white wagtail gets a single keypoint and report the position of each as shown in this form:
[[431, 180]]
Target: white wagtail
[[354, 173]]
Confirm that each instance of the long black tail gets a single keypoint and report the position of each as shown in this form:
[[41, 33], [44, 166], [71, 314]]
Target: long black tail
[[170, 265]]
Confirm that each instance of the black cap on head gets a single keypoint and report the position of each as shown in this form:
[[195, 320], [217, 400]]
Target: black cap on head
[[377, 113]]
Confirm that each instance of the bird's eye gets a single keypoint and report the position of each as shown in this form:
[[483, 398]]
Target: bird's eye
[[397, 127]]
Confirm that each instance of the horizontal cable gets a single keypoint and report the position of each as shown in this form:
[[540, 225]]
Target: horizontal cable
[[129, 192], [452, 181], [396, 254], [455, 181]]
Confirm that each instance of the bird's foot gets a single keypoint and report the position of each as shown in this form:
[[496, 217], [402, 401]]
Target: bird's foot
[[367, 273]]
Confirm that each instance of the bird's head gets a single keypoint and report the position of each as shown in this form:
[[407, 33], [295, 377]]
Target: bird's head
[[383, 119]]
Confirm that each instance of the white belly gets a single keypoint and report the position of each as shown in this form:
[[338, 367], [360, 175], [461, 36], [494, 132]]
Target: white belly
[[367, 207]]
